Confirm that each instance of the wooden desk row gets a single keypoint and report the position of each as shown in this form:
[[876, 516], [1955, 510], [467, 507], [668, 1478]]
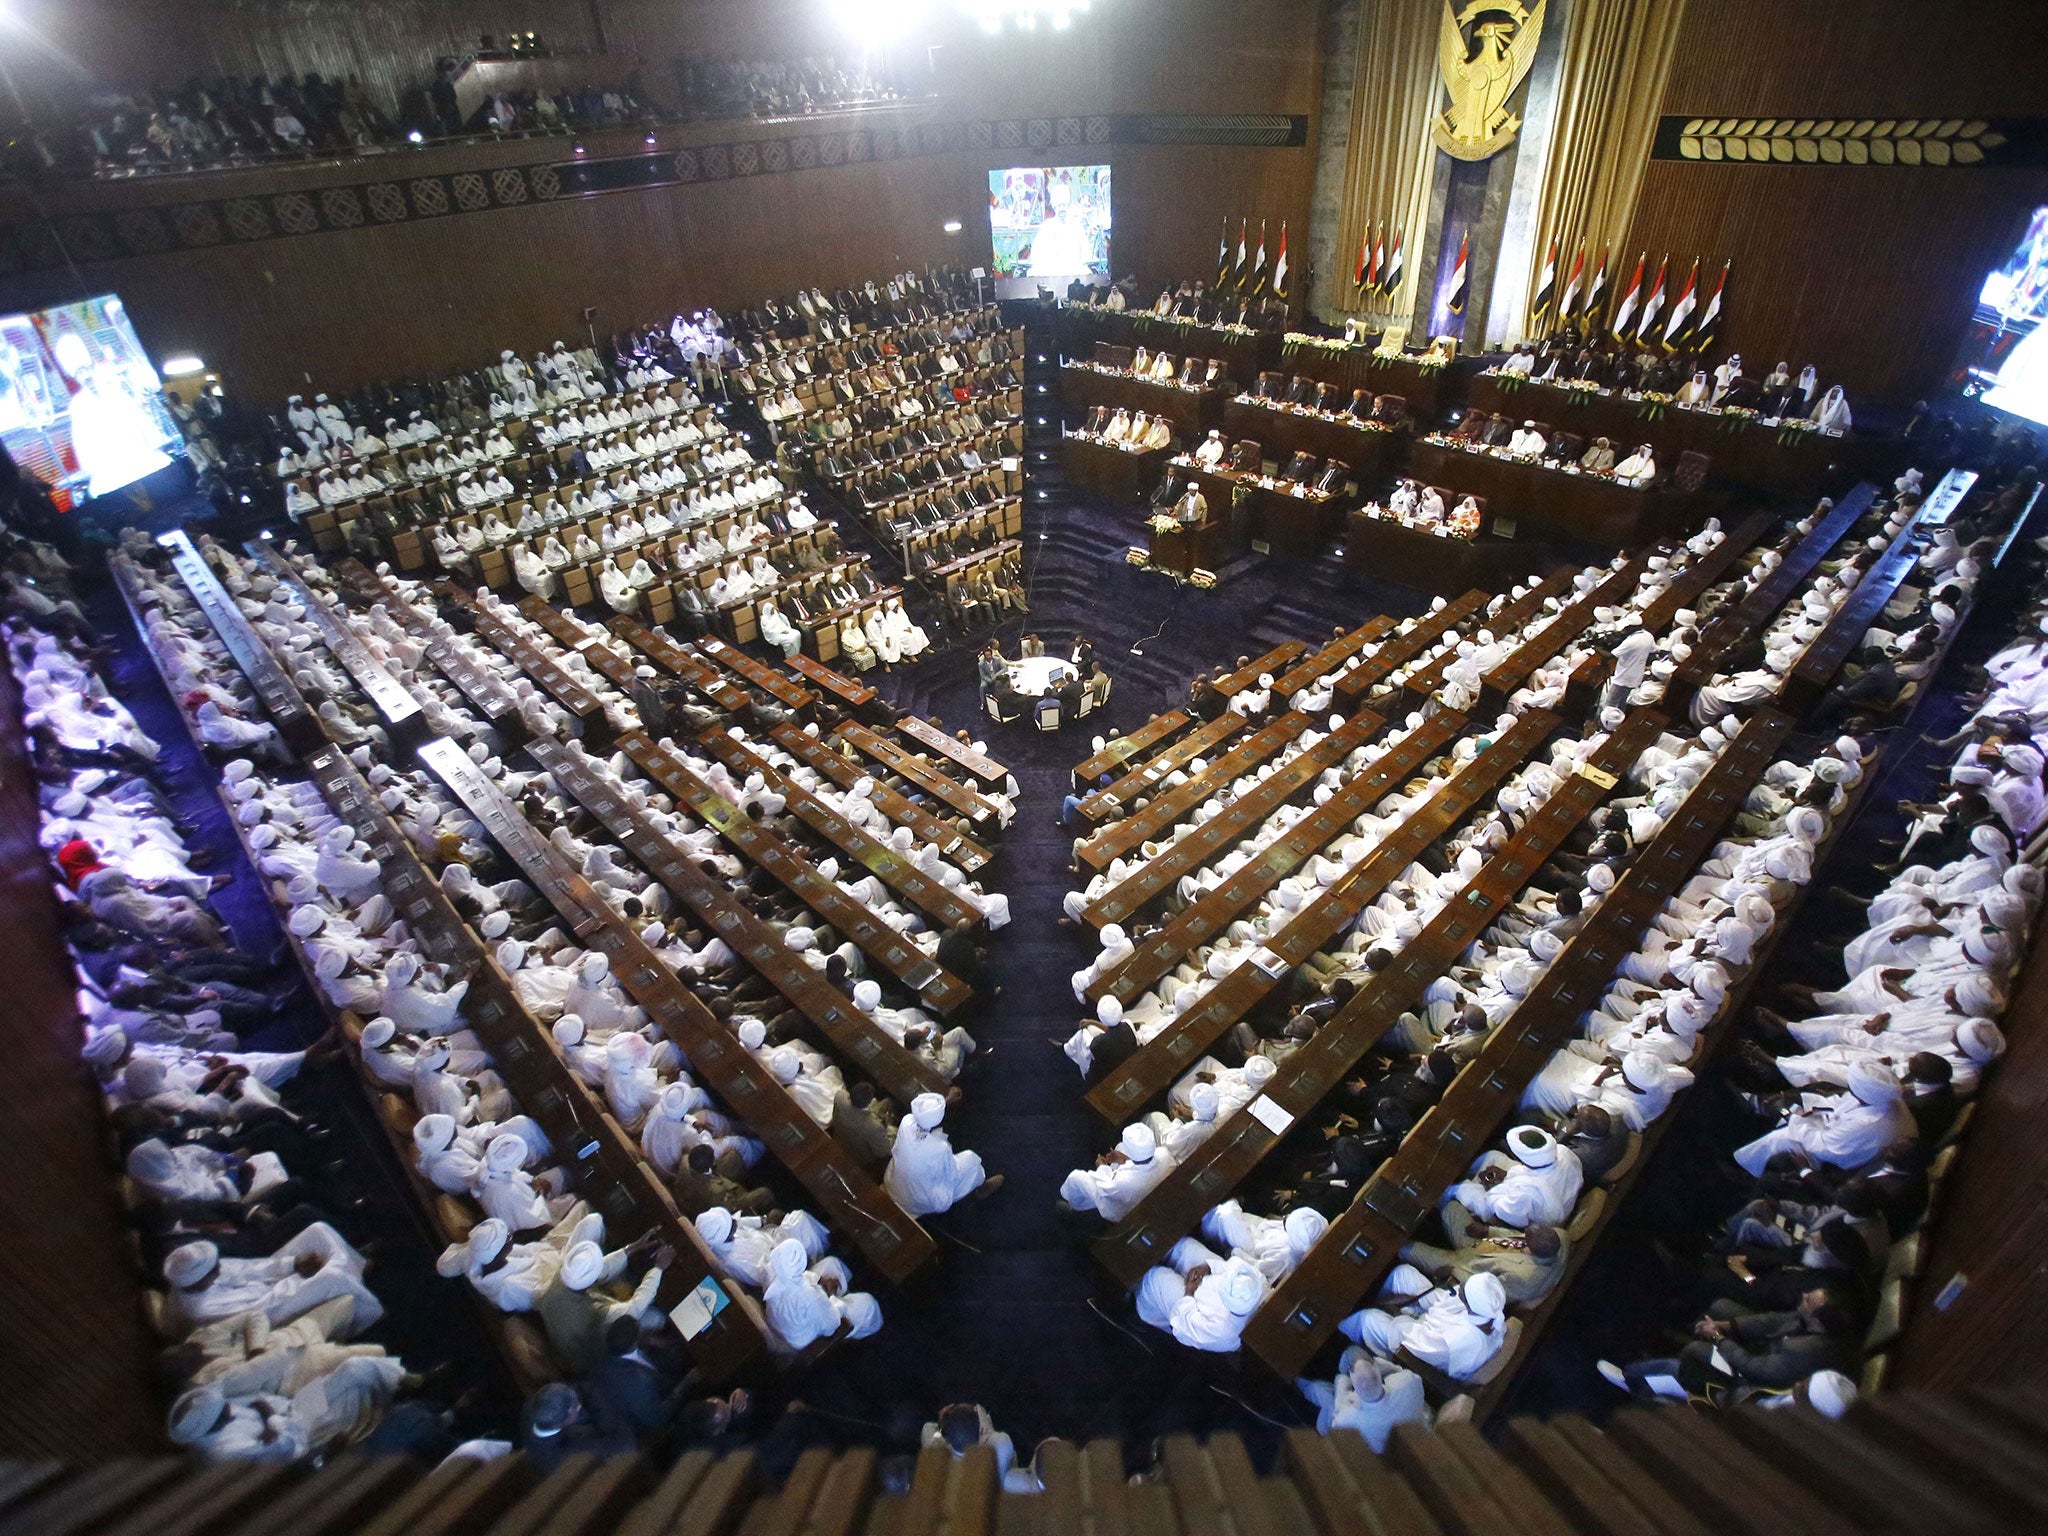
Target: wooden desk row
[[1709, 1044], [1276, 660], [403, 719], [797, 874], [1106, 802], [484, 690], [1565, 626], [1119, 750], [1327, 658], [297, 725], [1244, 815], [1346, 1266], [678, 661], [929, 896], [850, 693], [1176, 1206], [776, 685], [979, 764], [582, 704], [605, 1162], [1687, 587], [842, 770], [916, 770], [1154, 1068], [1732, 627], [1399, 649], [1420, 685], [852, 1202], [1811, 675], [1120, 837]]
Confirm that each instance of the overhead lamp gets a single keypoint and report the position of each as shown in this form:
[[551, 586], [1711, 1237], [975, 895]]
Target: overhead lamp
[[951, 226], [183, 366]]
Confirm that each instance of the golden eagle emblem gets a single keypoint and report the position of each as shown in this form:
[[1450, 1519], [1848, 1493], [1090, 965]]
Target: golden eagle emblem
[[1482, 73]]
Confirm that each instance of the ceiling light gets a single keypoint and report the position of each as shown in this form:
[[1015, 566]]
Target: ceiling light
[[181, 367]]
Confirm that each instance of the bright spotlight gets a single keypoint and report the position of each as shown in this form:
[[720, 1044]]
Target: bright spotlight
[[182, 367], [880, 21], [416, 137], [951, 226]]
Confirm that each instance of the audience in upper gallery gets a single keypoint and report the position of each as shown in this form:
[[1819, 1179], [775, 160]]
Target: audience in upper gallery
[[717, 89]]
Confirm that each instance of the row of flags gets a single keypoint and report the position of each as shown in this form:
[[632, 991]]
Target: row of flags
[[1246, 272], [1377, 276], [1693, 322]]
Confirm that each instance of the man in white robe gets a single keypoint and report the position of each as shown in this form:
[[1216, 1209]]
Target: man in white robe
[[1121, 1177], [925, 1175], [1539, 1182]]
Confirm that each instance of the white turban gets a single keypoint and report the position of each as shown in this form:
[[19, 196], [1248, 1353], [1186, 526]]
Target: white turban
[[787, 1260], [190, 1264], [378, 1033], [487, 1239], [1108, 1011], [1242, 1287], [1138, 1142], [1202, 1101], [1981, 1040], [867, 995], [433, 1133], [1872, 1084], [196, 1412], [1484, 1295], [582, 1265], [1532, 1146], [715, 1225], [928, 1109], [1259, 1070]]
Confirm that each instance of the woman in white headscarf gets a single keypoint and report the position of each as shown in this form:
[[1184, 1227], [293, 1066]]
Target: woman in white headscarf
[[778, 631]]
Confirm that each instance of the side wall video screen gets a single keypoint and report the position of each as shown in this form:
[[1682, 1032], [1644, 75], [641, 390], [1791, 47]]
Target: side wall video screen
[[81, 405]]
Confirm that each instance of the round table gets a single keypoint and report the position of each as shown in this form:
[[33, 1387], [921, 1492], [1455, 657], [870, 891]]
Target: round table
[[1038, 677]]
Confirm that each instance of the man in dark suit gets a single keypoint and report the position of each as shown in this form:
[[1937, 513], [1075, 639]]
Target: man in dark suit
[[630, 1396]]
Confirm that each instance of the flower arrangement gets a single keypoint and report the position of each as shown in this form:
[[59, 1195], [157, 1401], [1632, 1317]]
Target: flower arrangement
[[1794, 428], [1737, 417], [1203, 579], [1161, 523], [1510, 383], [1137, 557], [1579, 391], [1654, 403]]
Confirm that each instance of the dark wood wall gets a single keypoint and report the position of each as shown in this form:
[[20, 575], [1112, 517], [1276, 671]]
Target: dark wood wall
[[1869, 272], [77, 1361], [337, 309]]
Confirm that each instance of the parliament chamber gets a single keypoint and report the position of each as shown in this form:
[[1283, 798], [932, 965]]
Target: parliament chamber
[[1023, 765]]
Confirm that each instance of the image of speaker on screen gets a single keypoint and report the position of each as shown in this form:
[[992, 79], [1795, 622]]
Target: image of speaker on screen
[[1049, 226], [2008, 339], [81, 406]]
